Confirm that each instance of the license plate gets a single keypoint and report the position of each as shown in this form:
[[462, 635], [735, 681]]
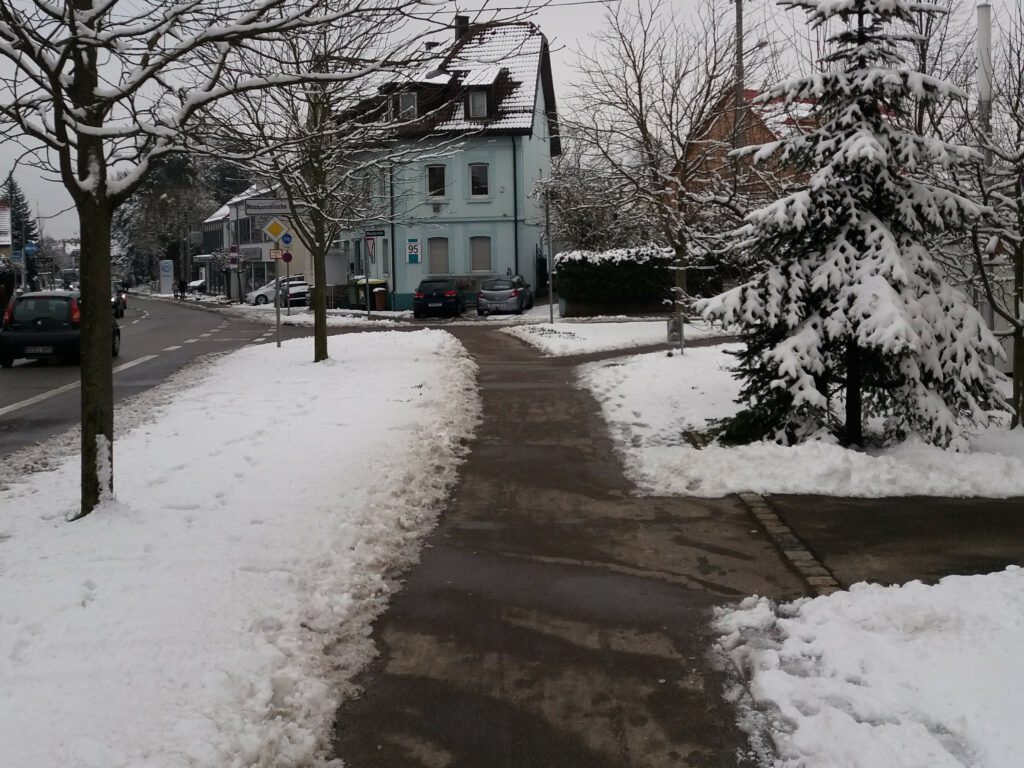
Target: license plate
[[38, 350], [434, 304]]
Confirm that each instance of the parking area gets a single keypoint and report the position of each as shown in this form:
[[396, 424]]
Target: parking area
[[895, 540]]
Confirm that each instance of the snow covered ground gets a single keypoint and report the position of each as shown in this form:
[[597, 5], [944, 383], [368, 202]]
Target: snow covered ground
[[649, 401], [579, 337], [896, 677], [212, 613]]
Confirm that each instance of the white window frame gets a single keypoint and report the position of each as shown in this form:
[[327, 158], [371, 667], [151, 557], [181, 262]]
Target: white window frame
[[484, 195], [474, 113], [407, 110], [444, 178]]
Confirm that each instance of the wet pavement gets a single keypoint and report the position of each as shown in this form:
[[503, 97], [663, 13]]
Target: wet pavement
[[555, 620], [896, 540]]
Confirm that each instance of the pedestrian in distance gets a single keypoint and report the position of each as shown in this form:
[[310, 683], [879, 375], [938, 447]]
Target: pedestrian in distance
[[182, 289]]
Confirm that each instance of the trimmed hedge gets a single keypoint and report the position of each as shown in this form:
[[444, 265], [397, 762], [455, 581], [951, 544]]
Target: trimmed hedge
[[620, 277]]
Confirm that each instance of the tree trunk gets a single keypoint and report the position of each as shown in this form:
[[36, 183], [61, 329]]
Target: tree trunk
[[96, 358], [1018, 310], [854, 434], [320, 300]]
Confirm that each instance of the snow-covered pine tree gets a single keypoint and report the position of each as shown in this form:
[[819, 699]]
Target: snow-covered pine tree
[[853, 314]]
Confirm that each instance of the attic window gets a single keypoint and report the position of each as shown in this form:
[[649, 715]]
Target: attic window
[[406, 106], [478, 104]]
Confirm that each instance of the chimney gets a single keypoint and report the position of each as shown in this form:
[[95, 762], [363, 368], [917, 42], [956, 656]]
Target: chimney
[[461, 27]]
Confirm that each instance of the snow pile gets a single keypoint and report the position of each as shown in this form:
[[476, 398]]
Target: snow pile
[[582, 338], [304, 317], [651, 401], [640, 255], [212, 614], [878, 676]]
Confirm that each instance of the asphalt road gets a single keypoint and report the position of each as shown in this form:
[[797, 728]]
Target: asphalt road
[[39, 399]]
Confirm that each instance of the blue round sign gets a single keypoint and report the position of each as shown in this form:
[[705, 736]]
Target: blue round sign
[[286, 238]]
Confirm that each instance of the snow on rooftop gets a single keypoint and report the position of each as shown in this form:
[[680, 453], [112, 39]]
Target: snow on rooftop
[[515, 48]]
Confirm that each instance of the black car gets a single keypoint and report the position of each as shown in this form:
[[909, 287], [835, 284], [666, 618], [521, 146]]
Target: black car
[[438, 296], [46, 324]]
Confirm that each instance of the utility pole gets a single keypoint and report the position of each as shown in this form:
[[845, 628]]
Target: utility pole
[[737, 133], [984, 38]]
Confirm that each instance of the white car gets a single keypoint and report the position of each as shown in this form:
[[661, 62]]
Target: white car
[[298, 291]]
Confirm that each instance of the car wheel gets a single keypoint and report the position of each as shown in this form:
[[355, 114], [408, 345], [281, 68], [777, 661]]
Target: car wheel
[[6, 362], [261, 299], [481, 313], [417, 315], [115, 348]]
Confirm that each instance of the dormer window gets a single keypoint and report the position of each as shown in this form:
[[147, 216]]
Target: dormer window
[[406, 106], [478, 104]]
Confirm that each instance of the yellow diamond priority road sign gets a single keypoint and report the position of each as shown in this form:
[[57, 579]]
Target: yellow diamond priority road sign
[[275, 228]]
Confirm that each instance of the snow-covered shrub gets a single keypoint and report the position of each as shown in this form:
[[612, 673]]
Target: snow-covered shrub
[[616, 278], [852, 318]]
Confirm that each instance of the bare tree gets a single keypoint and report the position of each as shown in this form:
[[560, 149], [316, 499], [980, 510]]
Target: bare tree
[[98, 90], [647, 94]]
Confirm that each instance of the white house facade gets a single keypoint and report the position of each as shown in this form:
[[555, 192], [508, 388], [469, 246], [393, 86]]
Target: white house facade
[[463, 208]]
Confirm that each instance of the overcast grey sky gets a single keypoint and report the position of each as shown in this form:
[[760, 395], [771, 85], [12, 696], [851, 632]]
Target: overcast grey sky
[[567, 27], [564, 26]]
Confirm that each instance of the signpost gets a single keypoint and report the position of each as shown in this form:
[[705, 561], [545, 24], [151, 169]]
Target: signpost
[[266, 207], [286, 257]]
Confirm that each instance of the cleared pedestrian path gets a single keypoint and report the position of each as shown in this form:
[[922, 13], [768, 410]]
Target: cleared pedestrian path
[[555, 620]]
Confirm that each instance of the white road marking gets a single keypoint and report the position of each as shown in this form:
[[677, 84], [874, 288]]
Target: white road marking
[[171, 349], [203, 335], [190, 341], [66, 388]]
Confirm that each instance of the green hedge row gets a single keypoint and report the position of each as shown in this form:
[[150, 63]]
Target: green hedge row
[[633, 276]]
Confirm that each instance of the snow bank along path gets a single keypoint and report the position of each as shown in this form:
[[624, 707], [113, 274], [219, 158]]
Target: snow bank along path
[[211, 614], [650, 400], [578, 338], [902, 677]]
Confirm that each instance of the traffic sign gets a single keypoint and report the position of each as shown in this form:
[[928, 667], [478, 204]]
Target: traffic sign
[[286, 238], [275, 228], [31, 248], [286, 257], [275, 253]]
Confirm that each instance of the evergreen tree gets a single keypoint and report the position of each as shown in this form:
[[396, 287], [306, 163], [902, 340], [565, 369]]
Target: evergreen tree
[[23, 226], [852, 317]]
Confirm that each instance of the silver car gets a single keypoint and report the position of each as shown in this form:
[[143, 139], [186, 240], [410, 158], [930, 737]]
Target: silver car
[[504, 294]]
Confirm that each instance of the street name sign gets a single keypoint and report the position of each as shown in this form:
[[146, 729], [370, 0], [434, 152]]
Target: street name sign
[[266, 207]]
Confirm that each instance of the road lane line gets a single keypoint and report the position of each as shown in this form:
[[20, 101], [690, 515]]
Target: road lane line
[[65, 388], [171, 349], [133, 363], [38, 398]]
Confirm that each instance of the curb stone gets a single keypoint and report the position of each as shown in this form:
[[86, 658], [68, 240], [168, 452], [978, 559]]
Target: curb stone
[[819, 579]]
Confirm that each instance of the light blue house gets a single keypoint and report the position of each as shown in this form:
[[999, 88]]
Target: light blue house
[[481, 128]]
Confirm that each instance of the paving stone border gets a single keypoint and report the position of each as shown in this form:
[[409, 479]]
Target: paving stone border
[[819, 578]]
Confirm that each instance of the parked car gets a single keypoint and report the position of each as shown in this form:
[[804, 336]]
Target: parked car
[[504, 294], [438, 296], [46, 324], [197, 286], [118, 299], [298, 291]]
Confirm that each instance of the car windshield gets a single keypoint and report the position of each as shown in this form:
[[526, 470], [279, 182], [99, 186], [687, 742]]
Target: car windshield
[[32, 308], [498, 285]]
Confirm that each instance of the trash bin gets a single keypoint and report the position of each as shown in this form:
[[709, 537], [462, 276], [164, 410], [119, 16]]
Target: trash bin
[[380, 299]]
